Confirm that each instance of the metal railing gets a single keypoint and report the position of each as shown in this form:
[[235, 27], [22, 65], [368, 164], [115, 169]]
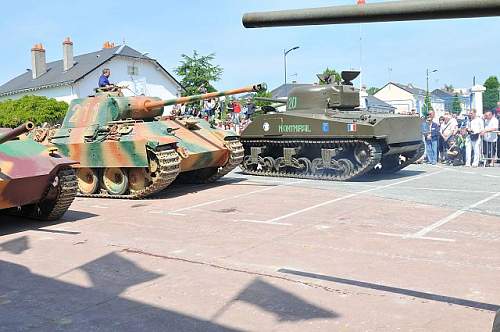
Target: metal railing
[[490, 151]]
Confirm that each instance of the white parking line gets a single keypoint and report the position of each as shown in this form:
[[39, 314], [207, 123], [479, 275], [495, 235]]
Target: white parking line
[[264, 222], [452, 216], [233, 197], [409, 236], [420, 235], [338, 199]]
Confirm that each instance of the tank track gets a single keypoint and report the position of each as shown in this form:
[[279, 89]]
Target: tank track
[[47, 210], [169, 167], [69, 188], [236, 154], [393, 169], [373, 159]]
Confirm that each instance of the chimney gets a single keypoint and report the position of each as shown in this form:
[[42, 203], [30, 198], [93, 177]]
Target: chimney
[[68, 54], [38, 63], [108, 44]]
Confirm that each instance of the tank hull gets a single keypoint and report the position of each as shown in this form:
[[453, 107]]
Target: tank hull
[[340, 146], [34, 181]]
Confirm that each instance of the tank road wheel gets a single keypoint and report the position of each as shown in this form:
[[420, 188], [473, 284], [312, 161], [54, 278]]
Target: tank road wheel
[[361, 154], [88, 182], [305, 165], [317, 166], [138, 179], [268, 164], [115, 180], [247, 163], [279, 163], [346, 167]]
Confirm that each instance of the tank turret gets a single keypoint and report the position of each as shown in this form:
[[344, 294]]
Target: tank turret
[[375, 12], [18, 131], [127, 149], [104, 108]]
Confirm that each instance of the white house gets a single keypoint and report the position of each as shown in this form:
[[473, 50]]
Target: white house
[[406, 98], [77, 77]]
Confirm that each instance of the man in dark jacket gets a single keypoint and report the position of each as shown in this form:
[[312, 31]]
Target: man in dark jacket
[[430, 131]]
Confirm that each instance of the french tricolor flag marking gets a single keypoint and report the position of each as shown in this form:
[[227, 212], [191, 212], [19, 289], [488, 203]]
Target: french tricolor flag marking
[[351, 127]]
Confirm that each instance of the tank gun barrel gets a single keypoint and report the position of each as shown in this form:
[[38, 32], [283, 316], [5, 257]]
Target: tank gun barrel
[[24, 128], [374, 12], [270, 100], [152, 104]]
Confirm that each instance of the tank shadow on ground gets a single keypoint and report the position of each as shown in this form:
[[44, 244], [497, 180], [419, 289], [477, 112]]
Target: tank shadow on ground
[[13, 224], [396, 290], [31, 301], [180, 189]]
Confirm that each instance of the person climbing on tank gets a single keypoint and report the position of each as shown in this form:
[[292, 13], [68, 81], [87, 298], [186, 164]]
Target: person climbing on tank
[[104, 84]]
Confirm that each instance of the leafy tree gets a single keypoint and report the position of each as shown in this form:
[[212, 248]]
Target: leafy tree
[[263, 94], [332, 73], [427, 105], [373, 90], [456, 107], [448, 88], [490, 97], [196, 71], [31, 108]]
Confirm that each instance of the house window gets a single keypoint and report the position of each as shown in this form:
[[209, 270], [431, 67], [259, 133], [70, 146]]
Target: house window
[[133, 70]]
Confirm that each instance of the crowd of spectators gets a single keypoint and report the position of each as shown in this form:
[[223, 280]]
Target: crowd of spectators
[[235, 116], [470, 141]]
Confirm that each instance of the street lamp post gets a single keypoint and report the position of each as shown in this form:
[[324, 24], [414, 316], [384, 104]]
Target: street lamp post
[[285, 53], [428, 73]]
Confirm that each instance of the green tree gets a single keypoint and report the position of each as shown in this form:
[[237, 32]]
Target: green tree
[[196, 71], [490, 97], [448, 88], [427, 105], [456, 107], [31, 108], [263, 94], [332, 73], [373, 90]]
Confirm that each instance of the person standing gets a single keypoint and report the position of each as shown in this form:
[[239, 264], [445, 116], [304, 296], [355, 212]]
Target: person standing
[[448, 129], [473, 140], [490, 136], [250, 108], [430, 130]]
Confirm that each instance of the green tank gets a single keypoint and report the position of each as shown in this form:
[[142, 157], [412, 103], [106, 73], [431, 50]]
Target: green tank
[[325, 135]]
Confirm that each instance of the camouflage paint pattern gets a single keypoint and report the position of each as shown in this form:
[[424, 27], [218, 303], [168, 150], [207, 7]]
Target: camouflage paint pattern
[[113, 131], [27, 168]]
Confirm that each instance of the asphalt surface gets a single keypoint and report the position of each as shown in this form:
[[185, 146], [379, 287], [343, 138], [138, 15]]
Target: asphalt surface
[[417, 251]]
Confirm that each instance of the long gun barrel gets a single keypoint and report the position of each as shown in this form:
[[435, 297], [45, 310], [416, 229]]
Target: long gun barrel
[[189, 99], [24, 128], [375, 12]]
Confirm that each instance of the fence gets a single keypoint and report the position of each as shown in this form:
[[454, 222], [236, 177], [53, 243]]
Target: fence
[[490, 151]]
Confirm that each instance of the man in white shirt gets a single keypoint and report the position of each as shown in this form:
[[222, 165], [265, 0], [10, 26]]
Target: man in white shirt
[[490, 136], [473, 140]]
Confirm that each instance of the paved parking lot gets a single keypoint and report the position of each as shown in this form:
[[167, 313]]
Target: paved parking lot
[[417, 251]]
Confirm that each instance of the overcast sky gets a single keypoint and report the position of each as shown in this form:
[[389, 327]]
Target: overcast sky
[[401, 52]]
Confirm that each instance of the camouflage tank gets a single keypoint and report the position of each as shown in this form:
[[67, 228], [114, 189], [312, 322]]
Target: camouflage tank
[[35, 182], [126, 149], [324, 135]]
